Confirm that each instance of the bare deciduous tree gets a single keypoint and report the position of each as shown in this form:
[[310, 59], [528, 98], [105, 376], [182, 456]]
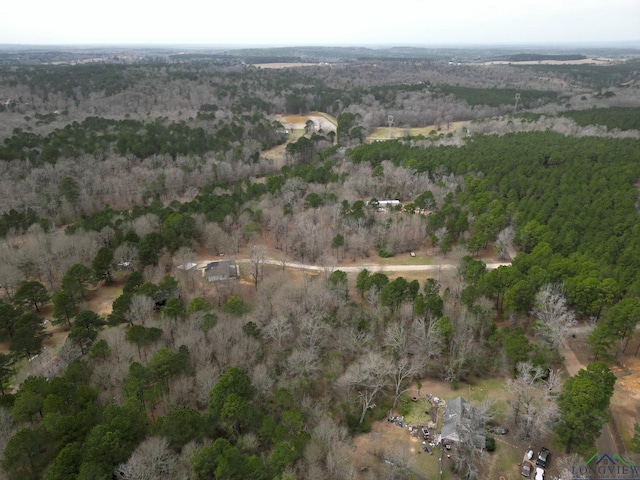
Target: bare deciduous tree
[[328, 451], [424, 337], [313, 331], [504, 242], [141, 309], [261, 379], [258, 259], [146, 224], [554, 319], [403, 369], [279, 329], [365, 378], [184, 259], [303, 363], [152, 459], [532, 400], [566, 465], [125, 257], [214, 238], [10, 278]]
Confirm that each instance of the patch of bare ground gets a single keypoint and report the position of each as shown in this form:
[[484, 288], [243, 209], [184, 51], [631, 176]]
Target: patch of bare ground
[[100, 300], [385, 441]]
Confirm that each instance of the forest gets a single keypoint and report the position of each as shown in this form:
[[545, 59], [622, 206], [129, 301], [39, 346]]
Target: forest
[[123, 181]]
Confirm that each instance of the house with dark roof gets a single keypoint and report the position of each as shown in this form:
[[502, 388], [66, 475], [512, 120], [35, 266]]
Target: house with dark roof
[[461, 424], [221, 270]]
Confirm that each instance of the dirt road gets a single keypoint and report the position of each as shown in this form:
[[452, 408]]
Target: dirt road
[[356, 269], [605, 443]]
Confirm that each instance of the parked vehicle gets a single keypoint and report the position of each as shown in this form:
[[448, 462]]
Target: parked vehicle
[[527, 468], [539, 473], [498, 430], [543, 457]]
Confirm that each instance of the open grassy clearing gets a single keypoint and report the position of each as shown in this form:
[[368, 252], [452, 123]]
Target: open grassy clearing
[[275, 66], [326, 116], [406, 259], [382, 133]]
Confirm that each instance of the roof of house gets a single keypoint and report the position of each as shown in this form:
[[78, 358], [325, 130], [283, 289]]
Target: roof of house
[[221, 269], [219, 264], [187, 266], [457, 423]]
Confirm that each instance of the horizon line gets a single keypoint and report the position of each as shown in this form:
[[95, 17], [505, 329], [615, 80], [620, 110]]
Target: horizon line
[[634, 43]]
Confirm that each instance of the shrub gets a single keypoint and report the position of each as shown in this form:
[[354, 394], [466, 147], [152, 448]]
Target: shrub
[[403, 406], [491, 444]]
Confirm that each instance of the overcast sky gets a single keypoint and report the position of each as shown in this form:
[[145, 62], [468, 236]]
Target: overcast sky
[[327, 22]]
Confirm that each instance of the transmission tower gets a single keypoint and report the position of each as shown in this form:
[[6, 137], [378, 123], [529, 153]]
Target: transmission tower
[[390, 123], [517, 100]]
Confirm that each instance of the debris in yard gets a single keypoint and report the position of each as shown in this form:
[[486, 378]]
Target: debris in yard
[[398, 420]]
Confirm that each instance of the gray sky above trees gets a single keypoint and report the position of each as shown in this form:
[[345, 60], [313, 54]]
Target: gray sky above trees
[[330, 22]]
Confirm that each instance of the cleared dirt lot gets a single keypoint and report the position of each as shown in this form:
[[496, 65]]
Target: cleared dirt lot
[[298, 122]]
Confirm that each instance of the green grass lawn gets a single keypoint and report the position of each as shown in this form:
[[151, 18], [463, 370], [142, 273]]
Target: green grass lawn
[[403, 259], [429, 465]]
